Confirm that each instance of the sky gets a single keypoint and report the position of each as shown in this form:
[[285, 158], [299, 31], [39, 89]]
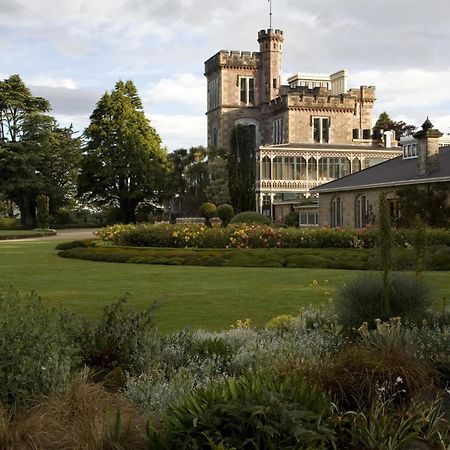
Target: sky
[[71, 52]]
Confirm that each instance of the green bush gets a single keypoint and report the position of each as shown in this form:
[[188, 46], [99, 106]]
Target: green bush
[[361, 299], [251, 217], [225, 213], [292, 219], [123, 338], [208, 211], [252, 412], [38, 348]]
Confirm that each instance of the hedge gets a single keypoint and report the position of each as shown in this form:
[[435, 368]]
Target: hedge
[[255, 236]]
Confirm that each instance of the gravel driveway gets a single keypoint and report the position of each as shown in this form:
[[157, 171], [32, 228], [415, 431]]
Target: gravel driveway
[[72, 234]]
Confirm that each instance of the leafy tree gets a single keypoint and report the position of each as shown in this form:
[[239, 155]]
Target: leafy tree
[[124, 163], [16, 106], [242, 168], [400, 128], [217, 190], [188, 180], [428, 201], [36, 155]]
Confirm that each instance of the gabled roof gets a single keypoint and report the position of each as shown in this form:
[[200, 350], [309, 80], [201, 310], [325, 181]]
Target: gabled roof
[[394, 172]]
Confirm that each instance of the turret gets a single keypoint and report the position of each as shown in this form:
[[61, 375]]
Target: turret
[[270, 46]]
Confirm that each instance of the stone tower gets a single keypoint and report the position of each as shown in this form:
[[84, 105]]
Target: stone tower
[[270, 49]]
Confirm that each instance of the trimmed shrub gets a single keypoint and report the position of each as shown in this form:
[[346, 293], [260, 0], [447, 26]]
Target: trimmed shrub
[[38, 348], [361, 299], [208, 211], [251, 217], [254, 411], [73, 244], [225, 213]]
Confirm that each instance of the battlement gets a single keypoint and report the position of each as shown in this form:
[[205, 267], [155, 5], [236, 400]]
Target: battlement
[[266, 34], [232, 59], [318, 97], [363, 93]]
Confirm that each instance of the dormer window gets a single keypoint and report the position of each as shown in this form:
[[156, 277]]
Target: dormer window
[[410, 150]]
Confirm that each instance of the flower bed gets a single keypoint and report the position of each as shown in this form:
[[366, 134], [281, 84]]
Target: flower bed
[[255, 236]]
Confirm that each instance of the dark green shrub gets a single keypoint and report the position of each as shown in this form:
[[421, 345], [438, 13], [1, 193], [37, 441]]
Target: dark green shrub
[[251, 217], [42, 212], [225, 213], [38, 348], [292, 219], [72, 244], [208, 211], [123, 338], [361, 299], [253, 412]]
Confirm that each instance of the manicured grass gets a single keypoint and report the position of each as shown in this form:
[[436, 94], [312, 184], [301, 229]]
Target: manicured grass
[[189, 296]]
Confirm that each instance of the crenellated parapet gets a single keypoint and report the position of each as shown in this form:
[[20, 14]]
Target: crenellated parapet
[[363, 93], [268, 34], [232, 60]]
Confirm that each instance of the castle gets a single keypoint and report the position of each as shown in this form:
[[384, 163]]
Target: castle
[[308, 132]]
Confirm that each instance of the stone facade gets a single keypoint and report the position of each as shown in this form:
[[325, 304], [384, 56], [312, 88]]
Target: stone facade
[[313, 109]]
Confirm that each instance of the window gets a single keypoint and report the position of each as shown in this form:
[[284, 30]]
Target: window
[[266, 175], [247, 89], [410, 151], [337, 215], [308, 219], [213, 94], [277, 131], [300, 168], [289, 168], [321, 129], [278, 168], [361, 211], [312, 169]]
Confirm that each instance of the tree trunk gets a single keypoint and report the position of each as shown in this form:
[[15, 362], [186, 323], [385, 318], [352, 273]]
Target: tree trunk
[[27, 212]]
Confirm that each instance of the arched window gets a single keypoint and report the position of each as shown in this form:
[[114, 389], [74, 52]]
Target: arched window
[[361, 211], [337, 212]]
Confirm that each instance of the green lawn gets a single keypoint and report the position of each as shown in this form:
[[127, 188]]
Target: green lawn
[[197, 297]]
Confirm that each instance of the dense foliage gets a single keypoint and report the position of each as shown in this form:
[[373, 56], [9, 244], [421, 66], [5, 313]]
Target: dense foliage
[[37, 156], [123, 164], [251, 217], [242, 168]]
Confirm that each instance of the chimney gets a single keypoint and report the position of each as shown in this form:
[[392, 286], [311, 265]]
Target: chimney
[[427, 149]]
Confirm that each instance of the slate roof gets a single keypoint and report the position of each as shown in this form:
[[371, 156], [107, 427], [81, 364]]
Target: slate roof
[[394, 172]]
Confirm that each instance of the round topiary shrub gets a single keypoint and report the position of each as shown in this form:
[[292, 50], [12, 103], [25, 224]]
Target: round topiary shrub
[[225, 213], [361, 299], [292, 219], [208, 211], [251, 217]]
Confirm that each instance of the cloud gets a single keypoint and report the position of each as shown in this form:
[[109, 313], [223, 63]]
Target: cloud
[[180, 131], [184, 88], [48, 81], [68, 102]]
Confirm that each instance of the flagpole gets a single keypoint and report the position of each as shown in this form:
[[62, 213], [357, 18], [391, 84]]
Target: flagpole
[[270, 14]]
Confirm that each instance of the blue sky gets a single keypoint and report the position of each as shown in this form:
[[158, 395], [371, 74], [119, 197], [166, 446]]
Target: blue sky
[[72, 51]]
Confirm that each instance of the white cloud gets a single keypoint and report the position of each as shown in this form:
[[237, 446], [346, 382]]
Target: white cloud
[[183, 88], [48, 81], [180, 131]]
